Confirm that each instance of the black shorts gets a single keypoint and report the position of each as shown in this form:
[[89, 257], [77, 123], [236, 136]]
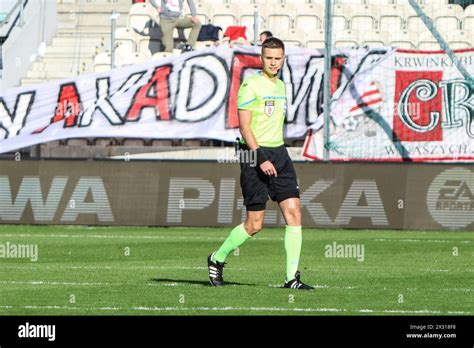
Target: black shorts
[[257, 186]]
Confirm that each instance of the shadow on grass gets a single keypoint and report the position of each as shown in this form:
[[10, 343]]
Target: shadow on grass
[[193, 282]]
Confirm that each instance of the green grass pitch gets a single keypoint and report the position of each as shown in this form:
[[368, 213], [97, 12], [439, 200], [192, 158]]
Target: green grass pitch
[[162, 271]]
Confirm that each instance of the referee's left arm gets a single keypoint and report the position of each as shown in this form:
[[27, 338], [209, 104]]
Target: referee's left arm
[[245, 117]]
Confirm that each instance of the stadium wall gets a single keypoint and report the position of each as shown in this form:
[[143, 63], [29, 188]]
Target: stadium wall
[[191, 193]]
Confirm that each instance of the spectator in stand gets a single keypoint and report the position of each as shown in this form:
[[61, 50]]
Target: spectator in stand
[[171, 17], [264, 35]]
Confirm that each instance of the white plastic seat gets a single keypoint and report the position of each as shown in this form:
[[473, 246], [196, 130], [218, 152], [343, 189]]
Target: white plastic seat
[[309, 17], [225, 15], [373, 38], [280, 17], [144, 43], [428, 42], [203, 11], [161, 55], [132, 58], [460, 39], [346, 38], [391, 22], [103, 62], [401, 39], [247, 21], [308, 23], [127, 39], [315, 43], [415, 24], [447, 17], [293, 38], [140, 14]]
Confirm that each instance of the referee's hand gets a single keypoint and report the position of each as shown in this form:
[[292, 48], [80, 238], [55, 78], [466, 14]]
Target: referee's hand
[[268, 168]]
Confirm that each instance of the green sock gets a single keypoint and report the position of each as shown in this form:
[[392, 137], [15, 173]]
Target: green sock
[[293, 241], [237, 237]]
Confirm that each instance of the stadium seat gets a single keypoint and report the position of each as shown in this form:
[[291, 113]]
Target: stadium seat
[[428, 42], [364, 17], [339, 22], [279, 17], [309, 17], [449, 18], [225, 15], [415, 24], [341, 17], [140, 14], [373, 38], [401, 39], [468, 21], [293, 38], [308, 23], [131, 58], [391, 22], [346, 38], [161, 55], [460, 39], [247, 21], [145, 43], [315, 42], [102, 62], [127, 39], [203, 11]]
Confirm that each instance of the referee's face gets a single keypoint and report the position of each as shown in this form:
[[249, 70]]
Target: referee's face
[[272, 59]]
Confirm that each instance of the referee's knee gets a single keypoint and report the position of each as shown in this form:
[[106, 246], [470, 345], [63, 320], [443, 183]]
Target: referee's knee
[[253, 227], [293, 217]]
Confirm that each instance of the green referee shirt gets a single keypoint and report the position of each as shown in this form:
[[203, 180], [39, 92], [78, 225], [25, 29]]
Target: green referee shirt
[[267, 101]]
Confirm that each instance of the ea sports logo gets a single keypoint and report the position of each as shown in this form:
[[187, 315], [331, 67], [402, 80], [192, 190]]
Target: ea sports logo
[[450, 198]]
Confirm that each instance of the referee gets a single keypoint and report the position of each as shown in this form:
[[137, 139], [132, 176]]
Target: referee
[[262, 110]]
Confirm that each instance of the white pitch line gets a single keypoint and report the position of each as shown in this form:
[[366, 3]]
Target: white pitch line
[[42, 267], [42, 282], [100, 236], [246, 309], [422, 240]]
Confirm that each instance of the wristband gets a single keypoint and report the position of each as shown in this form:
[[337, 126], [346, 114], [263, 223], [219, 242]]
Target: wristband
[[261, 156]]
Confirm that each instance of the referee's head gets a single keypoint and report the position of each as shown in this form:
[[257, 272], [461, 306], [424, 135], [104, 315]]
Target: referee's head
[[273, 56], [272, 42]]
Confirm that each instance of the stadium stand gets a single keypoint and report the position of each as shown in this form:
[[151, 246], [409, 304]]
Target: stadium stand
[[83, 41], [83, 32]]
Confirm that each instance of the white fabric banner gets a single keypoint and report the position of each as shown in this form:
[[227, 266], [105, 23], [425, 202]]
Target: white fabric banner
[[387, 105], [406, 106], [193, 95]]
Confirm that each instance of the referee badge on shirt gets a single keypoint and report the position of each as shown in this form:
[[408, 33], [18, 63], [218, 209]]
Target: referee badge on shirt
[[269, 107]]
